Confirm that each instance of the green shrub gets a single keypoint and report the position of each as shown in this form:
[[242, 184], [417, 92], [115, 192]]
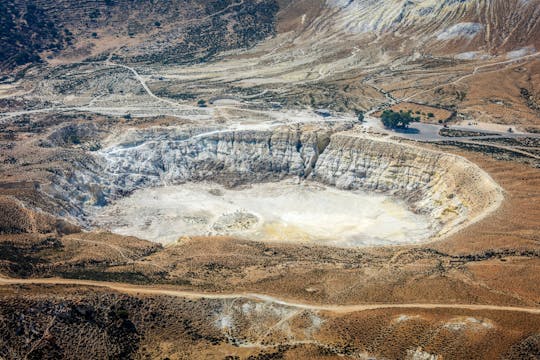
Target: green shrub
[[397, 120], [94, 14]]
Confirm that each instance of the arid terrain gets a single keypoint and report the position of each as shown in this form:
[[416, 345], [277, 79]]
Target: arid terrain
[[212, 179]]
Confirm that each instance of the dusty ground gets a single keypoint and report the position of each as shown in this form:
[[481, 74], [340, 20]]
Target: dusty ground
[[403, 274], [150, 326], [492, 262], [277, 212], [305, 57]]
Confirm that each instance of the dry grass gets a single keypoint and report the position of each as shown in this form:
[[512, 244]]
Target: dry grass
[[85, 322]]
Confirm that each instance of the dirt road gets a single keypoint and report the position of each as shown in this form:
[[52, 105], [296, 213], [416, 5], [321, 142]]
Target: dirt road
[[149, 290]]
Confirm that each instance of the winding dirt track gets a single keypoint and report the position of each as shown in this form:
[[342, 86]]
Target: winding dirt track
[[148, 290]]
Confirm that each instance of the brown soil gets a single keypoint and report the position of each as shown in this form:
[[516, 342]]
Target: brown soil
[[58, 320]]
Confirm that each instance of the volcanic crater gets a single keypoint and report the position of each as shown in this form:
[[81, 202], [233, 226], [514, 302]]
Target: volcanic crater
[[275, 184]]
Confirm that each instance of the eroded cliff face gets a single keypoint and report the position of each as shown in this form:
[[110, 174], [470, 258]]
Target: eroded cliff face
[[443, 24], [450, 189], [230, 158], [140, 158]]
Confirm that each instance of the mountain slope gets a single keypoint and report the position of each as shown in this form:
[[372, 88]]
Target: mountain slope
[[186, 31], [178, 31], [25, 32], [489, 25]]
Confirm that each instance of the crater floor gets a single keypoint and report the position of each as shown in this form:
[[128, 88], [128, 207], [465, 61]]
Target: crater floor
[[284, 211]]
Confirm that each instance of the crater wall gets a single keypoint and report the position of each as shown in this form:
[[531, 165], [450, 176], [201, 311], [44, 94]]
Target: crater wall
[[449, 188], [452, 190]]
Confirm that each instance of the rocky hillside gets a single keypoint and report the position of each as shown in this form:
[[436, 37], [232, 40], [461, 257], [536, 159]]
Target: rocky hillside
[[26, 31], [178, 31], [476, 24], [187, 31]]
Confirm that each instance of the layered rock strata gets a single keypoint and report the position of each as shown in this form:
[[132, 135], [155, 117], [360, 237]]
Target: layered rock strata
[[452, 190]]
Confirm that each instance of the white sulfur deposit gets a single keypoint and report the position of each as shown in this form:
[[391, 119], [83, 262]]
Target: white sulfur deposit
[[282, 211], [466, 30]]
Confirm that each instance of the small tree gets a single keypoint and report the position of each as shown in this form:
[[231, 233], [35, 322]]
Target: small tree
[[360, 115], [201, 103], [431, 115], [397, 120], [74, 139]]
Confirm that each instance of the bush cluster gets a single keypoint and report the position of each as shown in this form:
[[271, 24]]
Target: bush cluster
[[398, 120]]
